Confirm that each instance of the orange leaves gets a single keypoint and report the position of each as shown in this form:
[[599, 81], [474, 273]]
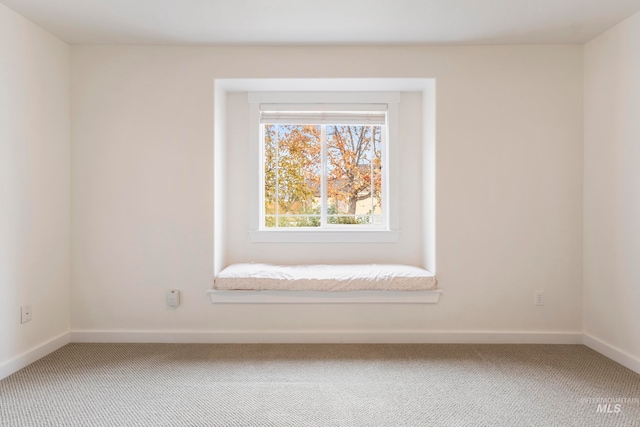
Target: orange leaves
[[293, 169], [354, 154]]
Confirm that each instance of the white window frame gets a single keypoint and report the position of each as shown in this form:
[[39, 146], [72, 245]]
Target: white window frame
[[376, 115], [388, 233]]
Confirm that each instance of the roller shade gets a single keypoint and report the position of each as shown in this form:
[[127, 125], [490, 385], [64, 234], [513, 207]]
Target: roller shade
[[329, 114]]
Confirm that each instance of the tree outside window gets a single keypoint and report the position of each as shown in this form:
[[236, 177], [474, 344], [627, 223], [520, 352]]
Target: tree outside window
[[322, 175]]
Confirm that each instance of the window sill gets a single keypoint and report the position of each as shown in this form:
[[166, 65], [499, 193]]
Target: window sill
[[312, 236], [311, 297]]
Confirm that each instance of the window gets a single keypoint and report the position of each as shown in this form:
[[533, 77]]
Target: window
[[322, 166]]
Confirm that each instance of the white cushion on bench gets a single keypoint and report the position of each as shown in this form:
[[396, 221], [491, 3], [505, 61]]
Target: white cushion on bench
[[355, 277]]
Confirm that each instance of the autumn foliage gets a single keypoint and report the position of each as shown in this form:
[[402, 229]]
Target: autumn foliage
[[293, 173]]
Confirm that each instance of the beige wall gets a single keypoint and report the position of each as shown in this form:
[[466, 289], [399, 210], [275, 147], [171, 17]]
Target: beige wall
[[509, 186], [612, 188], [34, 185]]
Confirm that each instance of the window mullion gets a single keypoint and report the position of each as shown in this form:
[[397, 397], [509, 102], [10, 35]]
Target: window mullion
[[277, 193], [323, 180]]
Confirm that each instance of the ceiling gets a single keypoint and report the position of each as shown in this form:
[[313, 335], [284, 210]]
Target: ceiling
[[325, 21]]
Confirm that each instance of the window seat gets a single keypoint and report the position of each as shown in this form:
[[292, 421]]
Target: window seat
[[365, 283]]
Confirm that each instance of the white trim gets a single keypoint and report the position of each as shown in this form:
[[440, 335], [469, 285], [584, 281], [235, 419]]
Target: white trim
[[428, 175], [256, 174], [219, 175], [612, 352], [374, 337], [324, 236], [357, 118], [311, 297], [320, 97], [392, 174], [304, 100], [326, 337], [23, 360], [425, 86], [358, 84], [380, 108]]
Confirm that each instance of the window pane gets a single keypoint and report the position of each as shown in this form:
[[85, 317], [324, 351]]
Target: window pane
[[376, 202], [292, 175], [297, 220], [353, 174]]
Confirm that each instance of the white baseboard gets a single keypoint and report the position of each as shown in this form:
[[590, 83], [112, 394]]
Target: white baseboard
[[311, 297], [28, 357], [375, 337], [361, 337], [613, 353]]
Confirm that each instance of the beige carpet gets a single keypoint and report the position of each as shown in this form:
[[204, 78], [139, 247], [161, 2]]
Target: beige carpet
[[321, 385]]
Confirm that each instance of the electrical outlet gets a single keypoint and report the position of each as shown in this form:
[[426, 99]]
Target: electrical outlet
[[539, 298], [25, 313], [173, 298]]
